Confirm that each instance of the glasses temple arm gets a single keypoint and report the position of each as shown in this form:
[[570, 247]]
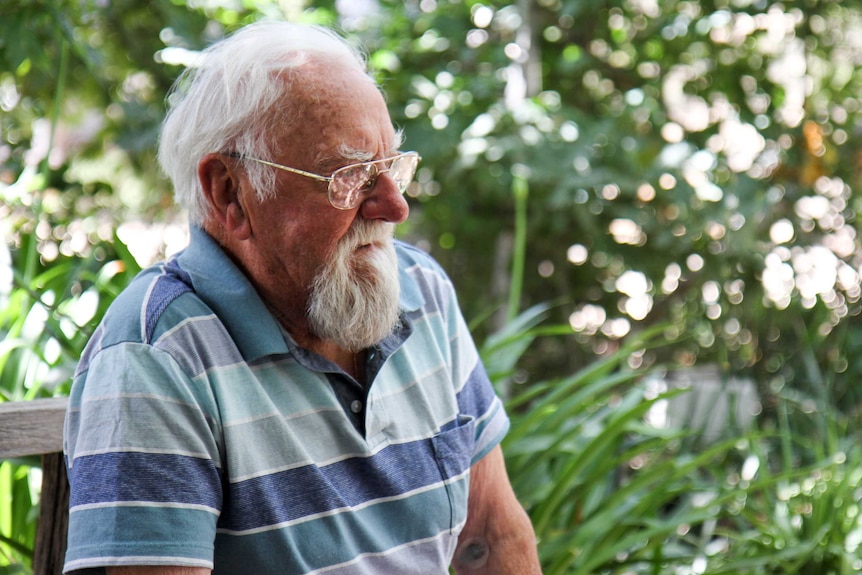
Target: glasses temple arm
[[317, 177]]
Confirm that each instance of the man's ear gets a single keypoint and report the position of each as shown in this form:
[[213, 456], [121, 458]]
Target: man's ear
[[220, 181]]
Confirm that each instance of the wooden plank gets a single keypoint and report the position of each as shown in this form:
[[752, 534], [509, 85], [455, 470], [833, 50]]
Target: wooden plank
[[32, 427]]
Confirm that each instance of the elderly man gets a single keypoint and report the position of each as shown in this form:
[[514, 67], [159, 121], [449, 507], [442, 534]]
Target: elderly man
[[295, 392]]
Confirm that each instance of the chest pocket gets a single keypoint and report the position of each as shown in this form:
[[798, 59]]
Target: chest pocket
[[453, 450]]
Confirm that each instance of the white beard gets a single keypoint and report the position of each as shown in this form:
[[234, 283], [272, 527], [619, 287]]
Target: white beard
[[354, 298]]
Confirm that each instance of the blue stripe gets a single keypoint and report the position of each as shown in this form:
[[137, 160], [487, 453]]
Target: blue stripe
[[168, 287], [477, 396], [309, 490], [130, 476]]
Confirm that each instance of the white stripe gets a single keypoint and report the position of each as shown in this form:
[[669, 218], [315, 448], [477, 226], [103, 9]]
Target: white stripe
[[275, 414], [185, 322], [153, 504], [110, 449], [155, 396], [136, 560]]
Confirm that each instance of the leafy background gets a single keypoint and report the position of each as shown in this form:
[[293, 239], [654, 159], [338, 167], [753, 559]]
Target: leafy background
[[642, 203]]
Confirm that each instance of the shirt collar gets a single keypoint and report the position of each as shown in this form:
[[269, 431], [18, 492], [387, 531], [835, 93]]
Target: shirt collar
[[228, 292]]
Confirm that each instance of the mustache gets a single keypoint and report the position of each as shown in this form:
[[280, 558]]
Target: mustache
[[365, 232]]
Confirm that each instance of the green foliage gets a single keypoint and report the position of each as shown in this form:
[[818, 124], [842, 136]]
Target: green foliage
[[801, 522], [806, 526], [569, 455], [17, 517], [609, 493]]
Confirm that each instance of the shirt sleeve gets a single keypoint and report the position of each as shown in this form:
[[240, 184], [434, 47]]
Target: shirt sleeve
[[143, 462]]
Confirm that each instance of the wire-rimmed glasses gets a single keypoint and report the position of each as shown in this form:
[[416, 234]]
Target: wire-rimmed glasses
[[347, 185]]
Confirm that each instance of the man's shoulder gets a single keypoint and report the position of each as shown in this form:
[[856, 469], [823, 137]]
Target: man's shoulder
[[137, 314]]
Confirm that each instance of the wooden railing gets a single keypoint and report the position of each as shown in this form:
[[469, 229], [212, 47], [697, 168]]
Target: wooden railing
[[36, 428]]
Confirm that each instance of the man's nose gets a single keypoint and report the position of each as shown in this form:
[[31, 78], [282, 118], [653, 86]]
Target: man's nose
[[385, 201]]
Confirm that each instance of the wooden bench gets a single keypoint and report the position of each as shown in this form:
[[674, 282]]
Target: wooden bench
[[36, 428]]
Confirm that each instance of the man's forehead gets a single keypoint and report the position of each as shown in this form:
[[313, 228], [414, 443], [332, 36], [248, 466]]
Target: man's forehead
[[343, 116], [357, 140]]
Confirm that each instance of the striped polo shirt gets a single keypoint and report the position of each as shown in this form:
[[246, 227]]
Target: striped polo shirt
[[200, 434]]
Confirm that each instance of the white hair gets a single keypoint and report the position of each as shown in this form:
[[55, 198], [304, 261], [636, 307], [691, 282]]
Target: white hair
[[227, 103]]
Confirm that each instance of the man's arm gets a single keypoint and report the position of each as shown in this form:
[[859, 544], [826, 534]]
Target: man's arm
[[498, 537], [158, 570]]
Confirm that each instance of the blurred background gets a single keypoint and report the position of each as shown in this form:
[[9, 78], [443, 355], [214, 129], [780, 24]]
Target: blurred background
[[648, 208]]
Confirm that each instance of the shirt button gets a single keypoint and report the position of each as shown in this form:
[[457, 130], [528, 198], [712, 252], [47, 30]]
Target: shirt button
[[356, 406]]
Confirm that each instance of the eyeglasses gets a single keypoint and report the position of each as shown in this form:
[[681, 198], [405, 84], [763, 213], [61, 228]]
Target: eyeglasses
[[348, 184]]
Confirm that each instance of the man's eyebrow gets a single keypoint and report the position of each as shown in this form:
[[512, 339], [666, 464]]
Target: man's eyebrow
[[344, 155], [348, 154]]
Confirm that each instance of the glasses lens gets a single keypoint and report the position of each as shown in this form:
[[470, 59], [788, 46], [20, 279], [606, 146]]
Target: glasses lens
[[350, 182], [403, 168]]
